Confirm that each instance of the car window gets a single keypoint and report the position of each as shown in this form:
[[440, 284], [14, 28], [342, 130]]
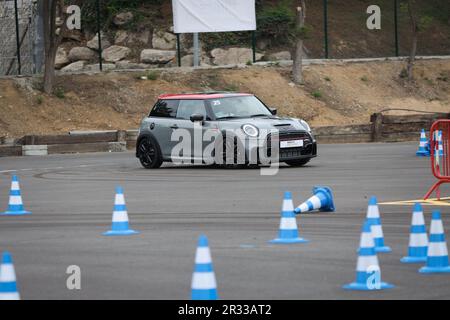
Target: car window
[[165, 109], [238, 107], [189, 107]]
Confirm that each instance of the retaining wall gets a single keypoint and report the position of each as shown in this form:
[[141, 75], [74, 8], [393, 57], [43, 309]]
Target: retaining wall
[[383, 128]]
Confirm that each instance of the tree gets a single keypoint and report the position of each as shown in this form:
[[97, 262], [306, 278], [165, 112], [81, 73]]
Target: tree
[[52, 39], [300, 35], [418, 24]]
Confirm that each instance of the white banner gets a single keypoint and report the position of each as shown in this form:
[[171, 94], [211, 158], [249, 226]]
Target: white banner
[[190, 16]]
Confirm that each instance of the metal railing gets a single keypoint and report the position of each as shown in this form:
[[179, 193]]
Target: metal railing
[[439, 151]]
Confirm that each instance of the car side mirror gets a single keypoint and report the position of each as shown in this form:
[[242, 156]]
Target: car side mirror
[[273, 111], [197, 117]]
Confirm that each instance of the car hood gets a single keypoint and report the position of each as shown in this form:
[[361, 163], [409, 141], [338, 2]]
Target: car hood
[[269, 122]]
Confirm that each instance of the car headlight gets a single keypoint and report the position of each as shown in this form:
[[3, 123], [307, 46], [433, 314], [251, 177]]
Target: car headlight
[[250, 130], [305, 124]]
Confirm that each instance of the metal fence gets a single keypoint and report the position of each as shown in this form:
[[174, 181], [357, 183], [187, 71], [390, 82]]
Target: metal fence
[[17, 36], [332, 36]]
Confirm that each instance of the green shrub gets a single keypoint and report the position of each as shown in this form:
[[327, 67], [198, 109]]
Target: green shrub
[[443, 77], [152, 75], [108, 9], [223, 39], [276, 21], [59, 93], [317, 94], [403, 74], [39, 100]]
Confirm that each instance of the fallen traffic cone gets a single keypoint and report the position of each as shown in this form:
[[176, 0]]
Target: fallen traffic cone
[[322, 199], [120, 225], [288, 232], [422, 151], [15, 205], [418, 240], [8, 286], [437, 255], [368, 274], [203, 286], [373, 217]]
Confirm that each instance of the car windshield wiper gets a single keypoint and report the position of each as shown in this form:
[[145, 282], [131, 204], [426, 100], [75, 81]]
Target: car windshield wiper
[[227, 117]]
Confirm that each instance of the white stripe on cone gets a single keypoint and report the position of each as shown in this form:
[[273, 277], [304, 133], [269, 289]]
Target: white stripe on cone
[[7, 273], [366, 262], [15, 185], [315, 201], [288, 224], [366, 240], [15, 200], [437, 249], [377, 231], [373, 212], [436, 227], [418, 240], [417, 219], [288, 205], [303, 207], [120, 216], [203, 255], [203, 280], [9, 296], [120, 199]]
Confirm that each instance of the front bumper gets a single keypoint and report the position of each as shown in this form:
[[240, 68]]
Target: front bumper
[[309, 149]]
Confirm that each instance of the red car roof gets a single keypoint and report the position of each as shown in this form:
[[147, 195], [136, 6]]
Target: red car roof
[[200, 96]]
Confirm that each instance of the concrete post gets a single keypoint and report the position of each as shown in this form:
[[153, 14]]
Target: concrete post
[[196, 51], [38, 49], [377, 126]]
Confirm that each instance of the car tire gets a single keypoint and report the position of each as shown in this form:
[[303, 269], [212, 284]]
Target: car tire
[[298, 163], [149, 153]]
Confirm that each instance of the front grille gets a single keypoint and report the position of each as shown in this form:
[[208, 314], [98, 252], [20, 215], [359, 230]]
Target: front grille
[[285, 153]]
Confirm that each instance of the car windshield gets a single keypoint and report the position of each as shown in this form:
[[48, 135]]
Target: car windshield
[[238, 107]]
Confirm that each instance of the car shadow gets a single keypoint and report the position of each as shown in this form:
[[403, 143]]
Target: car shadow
[[219, 167]]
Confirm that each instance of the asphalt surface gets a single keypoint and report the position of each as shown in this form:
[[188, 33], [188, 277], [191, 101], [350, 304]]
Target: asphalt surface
[[71, 197]]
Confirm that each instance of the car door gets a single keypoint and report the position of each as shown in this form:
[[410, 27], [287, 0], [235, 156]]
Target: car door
[[186, 108], [162, 123]]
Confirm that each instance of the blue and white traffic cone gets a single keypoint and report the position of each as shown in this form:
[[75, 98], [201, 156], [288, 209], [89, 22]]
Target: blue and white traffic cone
[[437, 255], [373, 217], [203, 285], [440, 144], [288, 232], [418, 240], [368, 273], [322, 200], [15, 205], [120, 225], [422, 151], [8, 285]]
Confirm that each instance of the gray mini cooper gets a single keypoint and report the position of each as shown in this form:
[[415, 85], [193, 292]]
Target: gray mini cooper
[[223, 114]]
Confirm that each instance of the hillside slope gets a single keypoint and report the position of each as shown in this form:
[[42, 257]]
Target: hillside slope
[[334, 94]]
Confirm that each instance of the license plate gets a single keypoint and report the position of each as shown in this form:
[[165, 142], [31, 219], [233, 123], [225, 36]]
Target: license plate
[[291, 143]]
